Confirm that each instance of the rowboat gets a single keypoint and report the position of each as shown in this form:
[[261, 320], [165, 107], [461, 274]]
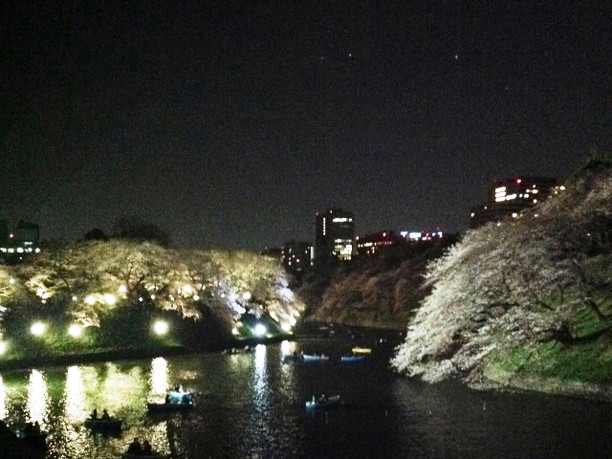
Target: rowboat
[[315, 357], [352, 358], [169, 407], [175, 401], [321, 401], [104, 425], [361, 350]]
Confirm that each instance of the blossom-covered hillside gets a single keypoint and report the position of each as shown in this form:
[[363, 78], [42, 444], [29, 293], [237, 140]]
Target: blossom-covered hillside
[[526, 300], [379, 292]]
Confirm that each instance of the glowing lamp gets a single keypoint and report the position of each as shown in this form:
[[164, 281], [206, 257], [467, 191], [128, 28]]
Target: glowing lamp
[[38, 328], [260, 330], [110, 299], [75, 330], [160, 327], [246, 296]]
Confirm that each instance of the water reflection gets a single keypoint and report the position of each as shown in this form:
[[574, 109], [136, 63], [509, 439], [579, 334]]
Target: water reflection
[[75, 395], [288, 347], [2, 399], [251, 405], [159, 376], [120, 389], [260, 375], [37, 399]]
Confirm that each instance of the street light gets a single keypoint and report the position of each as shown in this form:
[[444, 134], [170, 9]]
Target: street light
[[160, 327], [38, 328], [260, 330], [75, 330]]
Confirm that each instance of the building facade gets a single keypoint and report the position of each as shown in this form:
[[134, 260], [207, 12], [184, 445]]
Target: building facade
[[509, 196], [372, 244], [297, 256], [334, 235], [21, 241]]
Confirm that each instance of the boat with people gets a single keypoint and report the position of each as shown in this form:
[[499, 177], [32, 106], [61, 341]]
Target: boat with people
[[104, 423], [322, 401], [32, 436], [176, 400], [137, 450], [295, 357]]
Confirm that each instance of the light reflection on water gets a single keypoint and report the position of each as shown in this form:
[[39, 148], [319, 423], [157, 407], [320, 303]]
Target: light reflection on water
[[37, 399], [75, 396], [251, 405], [159, 377], [3, 412]]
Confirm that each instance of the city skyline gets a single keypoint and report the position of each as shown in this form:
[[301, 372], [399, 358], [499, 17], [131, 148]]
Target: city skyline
[[230, 124]]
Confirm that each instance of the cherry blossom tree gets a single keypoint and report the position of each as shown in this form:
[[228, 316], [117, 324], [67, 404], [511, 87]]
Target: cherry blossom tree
[[516, 284]]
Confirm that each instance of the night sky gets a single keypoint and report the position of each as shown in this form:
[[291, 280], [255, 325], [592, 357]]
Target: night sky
[[230, 123]]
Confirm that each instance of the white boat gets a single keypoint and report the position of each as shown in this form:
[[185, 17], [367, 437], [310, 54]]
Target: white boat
[[315, 357]]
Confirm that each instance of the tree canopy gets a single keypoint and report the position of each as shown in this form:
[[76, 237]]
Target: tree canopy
[[513, 288]]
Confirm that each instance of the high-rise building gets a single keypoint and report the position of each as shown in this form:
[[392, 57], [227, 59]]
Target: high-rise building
[[334, 234], [509, 196]]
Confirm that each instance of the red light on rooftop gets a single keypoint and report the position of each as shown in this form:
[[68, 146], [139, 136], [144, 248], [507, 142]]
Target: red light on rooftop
[[518, 180], [11, 236]]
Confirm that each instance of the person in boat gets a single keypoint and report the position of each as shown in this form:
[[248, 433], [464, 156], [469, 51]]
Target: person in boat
[[94, 414], [167, 400], [135, 447], [105, 415], [146, 448]]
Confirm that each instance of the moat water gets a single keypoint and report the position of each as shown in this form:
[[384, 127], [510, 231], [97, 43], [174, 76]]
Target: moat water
[[251, 405]]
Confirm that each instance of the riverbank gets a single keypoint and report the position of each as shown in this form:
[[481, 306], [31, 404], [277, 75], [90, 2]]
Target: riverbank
[[508, 381], [129, 353]]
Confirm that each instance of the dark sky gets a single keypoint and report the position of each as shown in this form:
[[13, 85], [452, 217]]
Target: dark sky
[[230, 123]]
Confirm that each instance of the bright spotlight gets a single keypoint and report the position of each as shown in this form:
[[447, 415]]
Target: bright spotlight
[[38, 328], [286, 326], [110, 299], [75, 330], [3, 347], [160, 327], [260, 330]]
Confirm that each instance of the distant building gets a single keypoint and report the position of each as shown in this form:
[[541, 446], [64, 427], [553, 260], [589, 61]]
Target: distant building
[[371, 244], [334, 234], [509, 196], [272, 252], [22, 241], [421, 236], [297, 256]]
